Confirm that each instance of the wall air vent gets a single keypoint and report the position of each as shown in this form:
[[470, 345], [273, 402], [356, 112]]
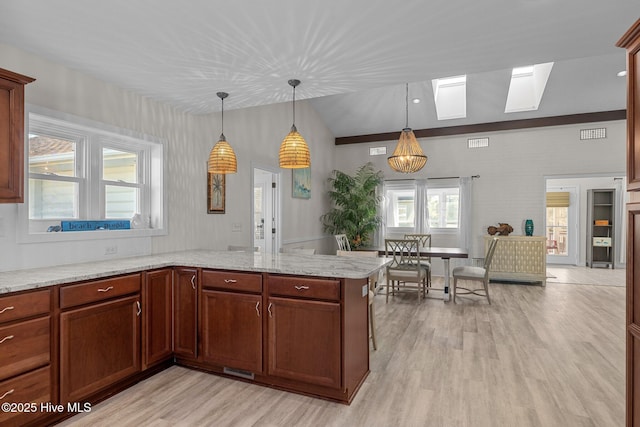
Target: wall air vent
[[477, 142], [598, 133], [377, 151]]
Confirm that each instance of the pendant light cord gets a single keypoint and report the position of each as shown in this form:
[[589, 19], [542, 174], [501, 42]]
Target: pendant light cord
[[222, 117], [294, 106], [407, 106]]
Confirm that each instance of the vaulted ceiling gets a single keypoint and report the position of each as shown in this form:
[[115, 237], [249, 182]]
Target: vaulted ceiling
[[353, 56]]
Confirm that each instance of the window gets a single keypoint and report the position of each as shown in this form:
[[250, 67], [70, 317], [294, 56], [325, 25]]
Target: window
[[408, 208], [443, 205], [81, 172]]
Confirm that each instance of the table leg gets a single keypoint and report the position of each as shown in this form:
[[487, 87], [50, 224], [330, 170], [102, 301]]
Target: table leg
[[446, 279]]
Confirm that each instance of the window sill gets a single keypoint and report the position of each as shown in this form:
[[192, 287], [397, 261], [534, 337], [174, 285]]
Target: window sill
[[67, 236]]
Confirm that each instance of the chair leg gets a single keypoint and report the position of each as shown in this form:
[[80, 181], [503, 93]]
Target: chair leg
[[387, 292], [486, 290], [372, 325], [455, 284]]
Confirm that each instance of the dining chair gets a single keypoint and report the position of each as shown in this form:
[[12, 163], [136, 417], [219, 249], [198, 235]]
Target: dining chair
[[424, 241], [373, 279], [404, 267], [243, 248], [343, 242], [478, 274]]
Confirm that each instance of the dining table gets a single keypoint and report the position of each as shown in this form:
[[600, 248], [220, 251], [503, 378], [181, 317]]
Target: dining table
[[445, 253]]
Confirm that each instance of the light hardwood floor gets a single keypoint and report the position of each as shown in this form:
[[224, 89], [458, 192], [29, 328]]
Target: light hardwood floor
[[537, 356]]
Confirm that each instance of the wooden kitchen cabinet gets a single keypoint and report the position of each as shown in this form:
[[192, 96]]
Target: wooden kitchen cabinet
[[232, 320], [305, 332], [157, 320], [99, 341], [185, 312], [25, 354], [12, 136], [304, 341]]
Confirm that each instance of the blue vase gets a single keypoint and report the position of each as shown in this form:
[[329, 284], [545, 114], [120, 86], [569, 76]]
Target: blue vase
[[528, 227]]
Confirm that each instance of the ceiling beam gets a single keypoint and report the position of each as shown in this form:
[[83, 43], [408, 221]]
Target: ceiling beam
[[602, 116]]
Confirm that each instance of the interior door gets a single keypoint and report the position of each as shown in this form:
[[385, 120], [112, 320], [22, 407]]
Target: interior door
[[266, 210]]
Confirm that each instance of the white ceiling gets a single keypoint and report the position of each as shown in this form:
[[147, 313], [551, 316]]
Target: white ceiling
[[353, 56]]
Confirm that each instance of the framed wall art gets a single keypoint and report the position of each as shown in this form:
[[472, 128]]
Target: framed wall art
[[301, 185], [215, 192]]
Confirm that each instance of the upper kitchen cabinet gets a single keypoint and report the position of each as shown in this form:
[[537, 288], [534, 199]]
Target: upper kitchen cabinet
[[12, 136]]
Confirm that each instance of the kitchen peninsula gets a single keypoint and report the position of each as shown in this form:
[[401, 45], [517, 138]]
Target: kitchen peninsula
[[80, 333]]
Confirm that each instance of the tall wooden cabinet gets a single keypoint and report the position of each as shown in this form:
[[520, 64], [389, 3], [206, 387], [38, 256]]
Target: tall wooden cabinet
[[601, 227], [631, 42], [12, 136]]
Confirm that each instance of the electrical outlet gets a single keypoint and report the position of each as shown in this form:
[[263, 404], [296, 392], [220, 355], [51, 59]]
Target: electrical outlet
[[236, 227], [110, 250]]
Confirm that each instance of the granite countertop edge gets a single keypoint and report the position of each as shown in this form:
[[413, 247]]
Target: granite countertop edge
[[289, 264]]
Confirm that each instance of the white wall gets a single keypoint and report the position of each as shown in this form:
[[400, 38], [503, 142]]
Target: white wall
[[254, 133], [512, 170]]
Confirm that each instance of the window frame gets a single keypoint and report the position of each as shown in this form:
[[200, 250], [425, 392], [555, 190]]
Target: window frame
[[415, 186], [151, 172]]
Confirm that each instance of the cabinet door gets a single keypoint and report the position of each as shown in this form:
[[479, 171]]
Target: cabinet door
[[99, 345], [12, 136], [304, 341], [232, 330], [185, 326], [157, 316]]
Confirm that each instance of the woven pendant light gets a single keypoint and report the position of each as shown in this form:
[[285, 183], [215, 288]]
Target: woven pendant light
[[408, 156], [222, 158], [294, 151]]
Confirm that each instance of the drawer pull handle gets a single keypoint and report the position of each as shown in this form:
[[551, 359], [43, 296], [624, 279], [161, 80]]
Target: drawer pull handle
[[7, 393], [139, 308], [193, 281], [301, 288], [257, 308], [7, 309], [269, 310], [7, 338], [230, 281], [105, 289]]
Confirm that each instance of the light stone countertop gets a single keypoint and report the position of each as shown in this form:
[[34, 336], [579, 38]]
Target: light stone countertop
[[293, 264]]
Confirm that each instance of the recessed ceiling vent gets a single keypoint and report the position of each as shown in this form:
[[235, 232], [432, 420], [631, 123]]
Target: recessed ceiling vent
[[597, 133], [477, 142]]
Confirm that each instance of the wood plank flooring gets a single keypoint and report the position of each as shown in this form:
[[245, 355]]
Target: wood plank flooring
[[538, 356]]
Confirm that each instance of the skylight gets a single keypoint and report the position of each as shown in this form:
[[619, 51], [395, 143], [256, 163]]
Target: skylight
[[450, 96], [527, 87]]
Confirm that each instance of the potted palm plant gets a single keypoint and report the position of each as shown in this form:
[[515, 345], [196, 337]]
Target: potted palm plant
[[355, 205]]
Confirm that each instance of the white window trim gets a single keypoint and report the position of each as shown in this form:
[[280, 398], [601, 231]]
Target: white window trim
[[156, 176]]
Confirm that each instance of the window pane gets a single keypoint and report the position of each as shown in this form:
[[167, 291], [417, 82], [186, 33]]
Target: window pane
[[433, 202], [120, 202], [452, 202], [50, 199], [119, 165], [402, 208], [557, 231], [52, 155]]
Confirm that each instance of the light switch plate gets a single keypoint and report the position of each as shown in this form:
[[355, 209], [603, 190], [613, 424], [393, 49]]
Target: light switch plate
[[365, 290], [236, 226]]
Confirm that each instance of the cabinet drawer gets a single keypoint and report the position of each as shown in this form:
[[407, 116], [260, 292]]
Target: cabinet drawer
[[245, 282], [14, 307], [98, 290], [303, 287], [33, 388], [24, 346]]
